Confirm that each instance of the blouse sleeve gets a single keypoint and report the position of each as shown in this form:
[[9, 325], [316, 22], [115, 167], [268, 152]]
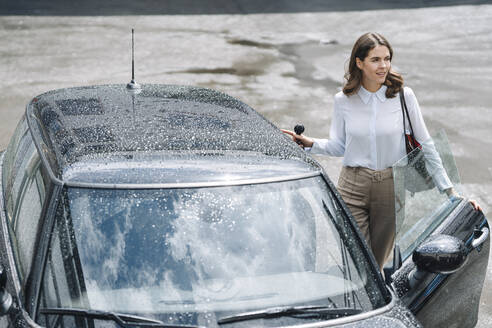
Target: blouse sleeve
[[335, 146], [432, 159]]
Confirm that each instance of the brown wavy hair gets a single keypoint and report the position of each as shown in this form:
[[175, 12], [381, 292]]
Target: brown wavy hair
[[365, 43]]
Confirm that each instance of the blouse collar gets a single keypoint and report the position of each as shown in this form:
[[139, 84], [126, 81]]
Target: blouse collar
[[365, 95]]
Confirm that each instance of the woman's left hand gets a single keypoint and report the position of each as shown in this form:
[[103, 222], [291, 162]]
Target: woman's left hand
[[452, 193]]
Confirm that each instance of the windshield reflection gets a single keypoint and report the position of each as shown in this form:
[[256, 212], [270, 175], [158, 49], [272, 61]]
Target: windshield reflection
[[179, 254]]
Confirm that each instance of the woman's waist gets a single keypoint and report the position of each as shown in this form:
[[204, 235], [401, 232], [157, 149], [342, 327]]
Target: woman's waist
[[375, 175]]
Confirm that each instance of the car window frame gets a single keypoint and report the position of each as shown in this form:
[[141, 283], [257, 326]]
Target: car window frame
[[349, 219], [32, 289]]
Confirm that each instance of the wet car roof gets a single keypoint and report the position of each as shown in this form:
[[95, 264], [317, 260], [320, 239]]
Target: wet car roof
[[156, 130]]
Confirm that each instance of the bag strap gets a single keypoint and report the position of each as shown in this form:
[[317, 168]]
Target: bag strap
[[404, 111]]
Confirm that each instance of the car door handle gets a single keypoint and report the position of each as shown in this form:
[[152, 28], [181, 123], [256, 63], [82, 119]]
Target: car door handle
[[480, 240]]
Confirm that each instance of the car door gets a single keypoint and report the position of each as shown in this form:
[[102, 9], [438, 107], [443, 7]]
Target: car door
[[444, 297]]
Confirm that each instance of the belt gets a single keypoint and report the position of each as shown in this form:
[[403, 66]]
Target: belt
[[376, 175]]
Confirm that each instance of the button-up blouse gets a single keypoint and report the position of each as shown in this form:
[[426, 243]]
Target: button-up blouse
[[367, 130]]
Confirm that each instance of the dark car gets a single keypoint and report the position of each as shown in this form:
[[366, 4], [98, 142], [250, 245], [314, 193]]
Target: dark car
[[173, 206]]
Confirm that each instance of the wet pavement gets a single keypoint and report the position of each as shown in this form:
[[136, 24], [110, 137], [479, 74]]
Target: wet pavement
[[286, 65]]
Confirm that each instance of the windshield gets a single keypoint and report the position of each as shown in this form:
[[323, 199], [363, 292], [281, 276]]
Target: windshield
[[191, 256]]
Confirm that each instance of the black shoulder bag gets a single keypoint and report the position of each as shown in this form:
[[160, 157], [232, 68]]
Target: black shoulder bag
[[417, 177]]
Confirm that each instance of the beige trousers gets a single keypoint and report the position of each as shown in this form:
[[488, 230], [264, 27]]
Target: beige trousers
[[370, 197]]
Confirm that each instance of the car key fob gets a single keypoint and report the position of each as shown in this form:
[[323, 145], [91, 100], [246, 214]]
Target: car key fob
[[299, 129]]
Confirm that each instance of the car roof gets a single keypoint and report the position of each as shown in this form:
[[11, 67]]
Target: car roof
[[112, 135]]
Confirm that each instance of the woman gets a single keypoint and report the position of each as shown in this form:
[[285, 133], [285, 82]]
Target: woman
[[367, 130]]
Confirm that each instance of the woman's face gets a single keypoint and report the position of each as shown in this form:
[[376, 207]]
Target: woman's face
[[375, 67]]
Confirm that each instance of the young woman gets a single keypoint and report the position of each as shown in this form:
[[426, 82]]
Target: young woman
[[367, 130]]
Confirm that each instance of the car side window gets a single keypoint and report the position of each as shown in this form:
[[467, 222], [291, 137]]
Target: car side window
[[24, 195], [62, 284], [14, 164], [28, 217], [9, 156], [420, 210]]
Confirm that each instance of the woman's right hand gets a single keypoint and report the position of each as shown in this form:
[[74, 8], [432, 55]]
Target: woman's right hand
[[300, 139]]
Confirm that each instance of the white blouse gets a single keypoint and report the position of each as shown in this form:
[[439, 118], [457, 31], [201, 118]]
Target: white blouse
[[367, 130]]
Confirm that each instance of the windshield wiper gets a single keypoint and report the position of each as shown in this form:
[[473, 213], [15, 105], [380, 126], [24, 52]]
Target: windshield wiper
[[304, 312], [123, 320]]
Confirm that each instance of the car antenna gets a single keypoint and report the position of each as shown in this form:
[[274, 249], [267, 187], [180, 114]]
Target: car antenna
[[133, 84]]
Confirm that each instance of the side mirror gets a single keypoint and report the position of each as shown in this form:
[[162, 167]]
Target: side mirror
[[5, 297], [440, 254], [437, 254]]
